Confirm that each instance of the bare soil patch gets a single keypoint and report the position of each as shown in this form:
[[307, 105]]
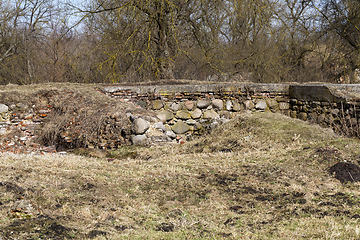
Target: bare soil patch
[[345, 172]]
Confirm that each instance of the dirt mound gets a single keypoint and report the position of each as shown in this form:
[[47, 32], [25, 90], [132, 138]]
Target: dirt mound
[[346, 172]]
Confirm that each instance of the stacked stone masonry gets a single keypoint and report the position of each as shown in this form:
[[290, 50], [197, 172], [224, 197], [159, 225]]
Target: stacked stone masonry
[[188, 110], [183, 111]]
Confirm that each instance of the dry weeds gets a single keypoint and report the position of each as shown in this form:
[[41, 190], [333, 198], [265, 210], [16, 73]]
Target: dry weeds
[[259, 176]]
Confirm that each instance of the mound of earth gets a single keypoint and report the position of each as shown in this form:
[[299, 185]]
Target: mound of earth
[[345, 172]]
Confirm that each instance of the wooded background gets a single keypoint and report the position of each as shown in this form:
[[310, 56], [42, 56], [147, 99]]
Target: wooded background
[[117, 41]]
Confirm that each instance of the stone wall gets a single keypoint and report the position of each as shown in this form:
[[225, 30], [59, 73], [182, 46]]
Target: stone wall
[[186, 110], [182, 111]]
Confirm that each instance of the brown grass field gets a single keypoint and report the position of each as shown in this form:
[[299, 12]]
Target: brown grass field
[[260, 176]]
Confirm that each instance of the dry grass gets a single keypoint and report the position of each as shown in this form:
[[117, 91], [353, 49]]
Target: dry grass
[[260, 176], [80, 116]]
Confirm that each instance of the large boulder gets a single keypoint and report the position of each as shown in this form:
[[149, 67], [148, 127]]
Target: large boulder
[[157, 104], [204, 103], [140, 126], [284, 106], [183, 114], [180, 127], [196, 113], [261, 105], [175, 106], [3, 108], [249, 104], [272, 103], [139, 139], [217, 104], [168, 115], [211, 114], [189, 105], [236, 106]]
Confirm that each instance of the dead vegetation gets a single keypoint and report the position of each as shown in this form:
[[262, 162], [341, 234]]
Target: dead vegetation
[[259, 176], [78, 116]]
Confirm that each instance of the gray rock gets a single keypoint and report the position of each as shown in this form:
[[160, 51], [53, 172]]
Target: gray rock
[[261, 105], [249, 104], [169, 115], [175, 106], [150, 119], [170, 134], [139, 139], [160, 138], [160, 126], [204, 103], [191, 122], [180, 127], [225, 114], [284, 106], [141, 104], [196, 113], [217, 104], [157, 104], [140, 126], [211, 114], [189, 105], [183, 114], [167, 127], [303, 116], [224, 120], [330, 119], [161, 117], [228, 105], [236, 106], [272, 103], [3, 108]]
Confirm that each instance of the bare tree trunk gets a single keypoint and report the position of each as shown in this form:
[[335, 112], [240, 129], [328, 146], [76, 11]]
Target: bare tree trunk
[[164, 64]]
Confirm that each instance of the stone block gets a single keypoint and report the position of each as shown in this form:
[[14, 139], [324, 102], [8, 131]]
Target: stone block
[[303, 116], [175, 107], [225, 114], [203, 103], [140, 126], [196, 113], [139, 139], [211, 114], [249, 104], [272, 103], [161, 117], [261, 105], [217, 104], [157, 104], [228, 105], [169, 115], [236, 106], [189, 105], [284, 105], [180, 127], [3, 108], [183, 114]]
